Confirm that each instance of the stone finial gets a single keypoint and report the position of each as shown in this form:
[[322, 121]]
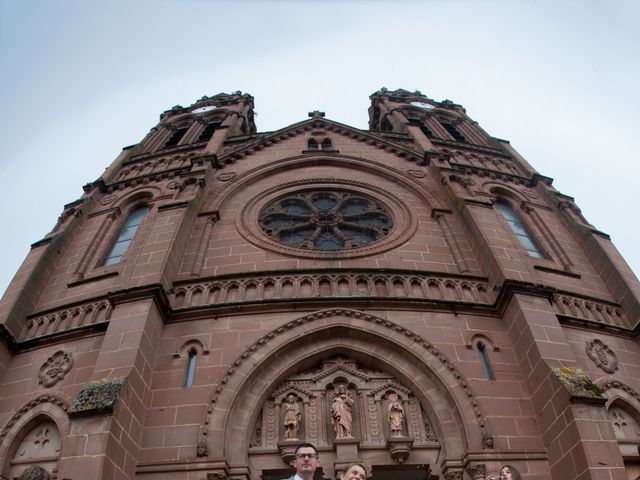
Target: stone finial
[[316, 114]]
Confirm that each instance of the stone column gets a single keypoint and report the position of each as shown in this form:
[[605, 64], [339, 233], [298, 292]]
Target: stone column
[[569, 406], [108, 414]]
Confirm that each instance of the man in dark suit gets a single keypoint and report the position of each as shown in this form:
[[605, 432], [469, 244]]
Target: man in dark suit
[[306, 462]]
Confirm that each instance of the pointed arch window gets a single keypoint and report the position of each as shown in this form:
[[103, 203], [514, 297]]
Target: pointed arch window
[[520, 230], [126, 234]]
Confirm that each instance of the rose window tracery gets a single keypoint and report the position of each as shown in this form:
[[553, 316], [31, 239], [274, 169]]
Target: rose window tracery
[[326, 220]]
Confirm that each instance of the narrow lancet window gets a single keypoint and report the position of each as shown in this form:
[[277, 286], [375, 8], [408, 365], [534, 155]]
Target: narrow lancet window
[[191, 369], [122, 241], [519, 230], [484, 359]]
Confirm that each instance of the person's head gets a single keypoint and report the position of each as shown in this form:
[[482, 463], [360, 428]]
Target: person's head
[[306, 460], [354, 471], [509, 472]]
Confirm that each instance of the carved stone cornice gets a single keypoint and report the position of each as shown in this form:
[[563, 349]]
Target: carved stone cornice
[[468, 146], [490, 173], [574, 306], [67, 317], [329, 284]]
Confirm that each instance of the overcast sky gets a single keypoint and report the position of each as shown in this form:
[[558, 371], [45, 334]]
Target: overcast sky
[[80, 80]]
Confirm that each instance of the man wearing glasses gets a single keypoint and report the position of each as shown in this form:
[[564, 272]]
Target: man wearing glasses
[[306, 462]]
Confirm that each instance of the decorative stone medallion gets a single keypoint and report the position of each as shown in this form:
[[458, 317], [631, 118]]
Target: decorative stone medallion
[[226, 176], [602, 356], [55, 368]]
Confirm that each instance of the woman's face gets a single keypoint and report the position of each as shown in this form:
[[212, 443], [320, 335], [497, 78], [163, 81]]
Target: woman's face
[[505, 474], [355, 472]]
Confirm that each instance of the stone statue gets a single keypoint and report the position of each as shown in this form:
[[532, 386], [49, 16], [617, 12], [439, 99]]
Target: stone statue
[[396, 415], [341, 407], [34, 472], [292, 417]]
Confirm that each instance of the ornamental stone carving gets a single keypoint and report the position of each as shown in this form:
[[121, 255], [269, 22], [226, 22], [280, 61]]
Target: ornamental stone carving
[[97, 398], [602, 356], [35, 472], [55, 368], [477, 471], [396, 415], [292, 417], [339, 401], [202, 450], [454, 475], [341, 415]]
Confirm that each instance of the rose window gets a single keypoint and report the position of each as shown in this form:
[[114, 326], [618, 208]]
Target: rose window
[[326, 220]]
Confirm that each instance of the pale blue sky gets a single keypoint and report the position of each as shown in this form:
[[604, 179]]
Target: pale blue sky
[[80, 80]]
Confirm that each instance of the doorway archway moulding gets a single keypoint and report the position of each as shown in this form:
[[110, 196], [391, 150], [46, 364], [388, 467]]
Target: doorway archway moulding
[[245, 385]]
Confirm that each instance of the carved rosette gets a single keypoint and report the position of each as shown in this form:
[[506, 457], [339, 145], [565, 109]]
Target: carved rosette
[[55, 368], [602, 356]]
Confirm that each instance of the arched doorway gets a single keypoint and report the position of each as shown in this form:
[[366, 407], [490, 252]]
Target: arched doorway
[[304, 364]]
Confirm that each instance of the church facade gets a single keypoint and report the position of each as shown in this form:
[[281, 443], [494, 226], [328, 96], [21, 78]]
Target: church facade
[[414, 296]]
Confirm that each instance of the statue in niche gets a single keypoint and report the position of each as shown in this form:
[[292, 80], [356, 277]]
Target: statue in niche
[[292, 417], [341, 407], [396, 415]]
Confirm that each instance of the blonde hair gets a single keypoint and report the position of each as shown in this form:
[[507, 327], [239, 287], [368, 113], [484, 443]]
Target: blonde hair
[[354, 464]]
